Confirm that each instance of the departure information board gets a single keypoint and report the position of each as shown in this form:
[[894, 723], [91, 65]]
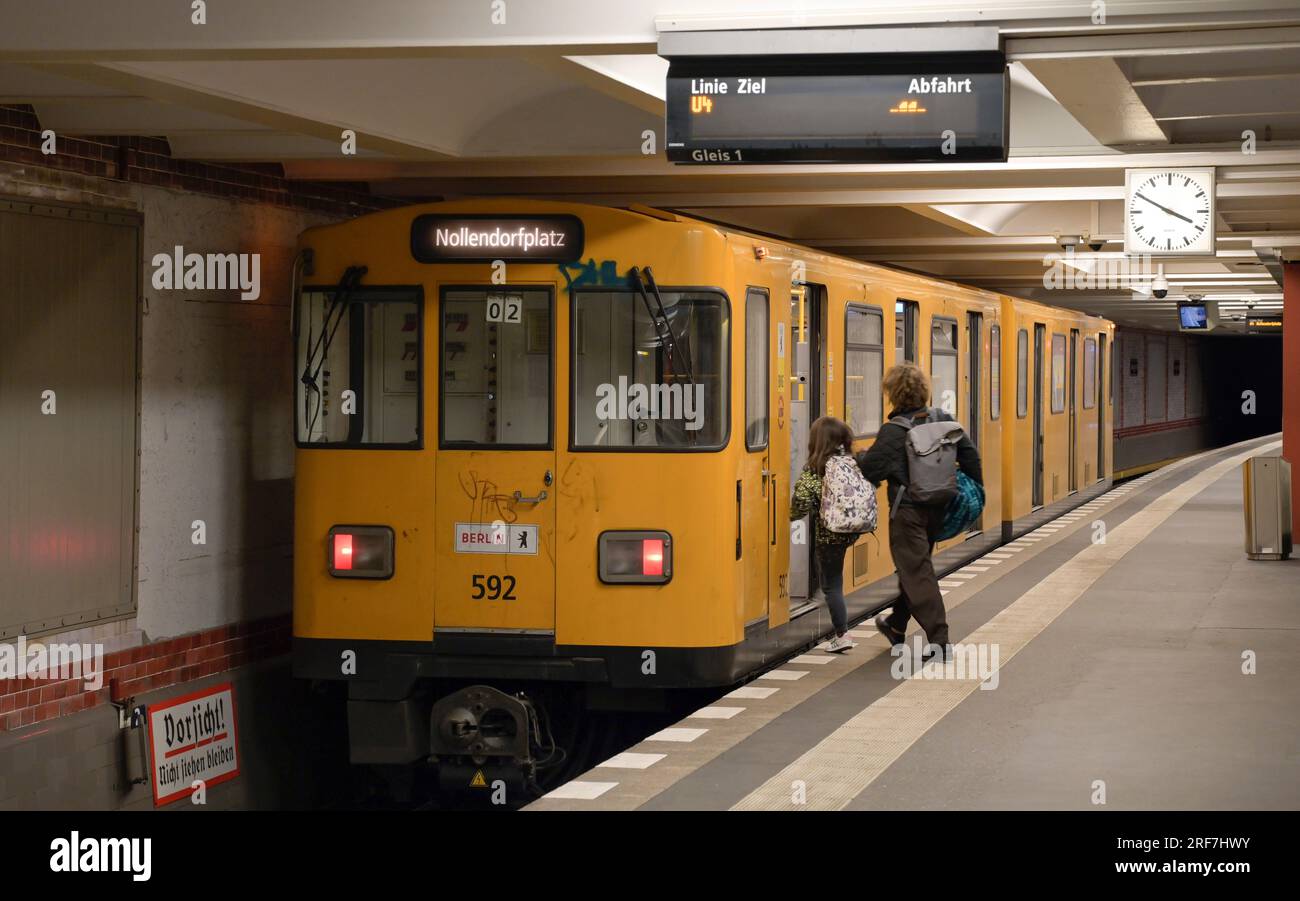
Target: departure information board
[[735, 110]]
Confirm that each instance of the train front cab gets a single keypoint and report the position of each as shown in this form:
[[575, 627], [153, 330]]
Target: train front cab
[[1060, 399], [478, 505]]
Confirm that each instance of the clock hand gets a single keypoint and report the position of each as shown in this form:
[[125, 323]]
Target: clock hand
[[1165, 208]]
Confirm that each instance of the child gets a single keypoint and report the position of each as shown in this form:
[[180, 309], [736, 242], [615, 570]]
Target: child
[[828, 437]]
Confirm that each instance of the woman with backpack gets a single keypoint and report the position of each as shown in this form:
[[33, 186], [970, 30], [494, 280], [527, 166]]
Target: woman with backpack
[[830, 444], [913, 525]]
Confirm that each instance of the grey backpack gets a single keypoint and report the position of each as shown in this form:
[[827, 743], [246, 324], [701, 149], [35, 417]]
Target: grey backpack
[[931, 460]]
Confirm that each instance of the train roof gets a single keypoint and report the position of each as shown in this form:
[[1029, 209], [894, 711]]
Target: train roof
[[669, 217]]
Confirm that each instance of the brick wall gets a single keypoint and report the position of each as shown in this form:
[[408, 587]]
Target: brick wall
[[60, 744], [148, 161], [148, 667], [293, 752]]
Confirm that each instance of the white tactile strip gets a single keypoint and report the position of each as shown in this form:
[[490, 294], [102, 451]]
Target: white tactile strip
[[784, 675], [676, 733], [716, 713], [754, 692], [631, 760], [841, 766], [581, 790]]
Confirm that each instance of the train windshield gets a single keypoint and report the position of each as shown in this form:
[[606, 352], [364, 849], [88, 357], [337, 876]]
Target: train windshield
[[496, 367], [358, 367], [643, 382]]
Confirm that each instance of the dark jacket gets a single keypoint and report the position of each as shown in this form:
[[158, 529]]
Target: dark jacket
[[886, 459]]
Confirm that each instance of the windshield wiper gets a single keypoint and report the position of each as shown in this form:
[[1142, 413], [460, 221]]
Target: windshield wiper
[[659, 318], [329, 328], [664, 329]]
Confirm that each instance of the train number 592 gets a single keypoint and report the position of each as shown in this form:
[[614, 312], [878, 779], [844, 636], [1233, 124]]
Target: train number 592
[[493, 588]]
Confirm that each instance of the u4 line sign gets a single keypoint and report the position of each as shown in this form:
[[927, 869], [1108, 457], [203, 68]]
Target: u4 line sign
[[838, 109]]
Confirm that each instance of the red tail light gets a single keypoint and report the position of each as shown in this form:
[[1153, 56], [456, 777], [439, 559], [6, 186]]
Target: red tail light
[[652, 557], [642, 556], [360, 552], [342, 550]]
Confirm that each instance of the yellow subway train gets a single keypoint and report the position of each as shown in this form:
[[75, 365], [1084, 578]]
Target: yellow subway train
[[545, 450]]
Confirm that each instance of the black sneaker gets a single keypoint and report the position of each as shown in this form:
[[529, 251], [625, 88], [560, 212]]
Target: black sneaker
[[895, 638]]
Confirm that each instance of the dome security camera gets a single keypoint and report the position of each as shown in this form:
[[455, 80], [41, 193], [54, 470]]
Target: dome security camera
[[1159, 285]]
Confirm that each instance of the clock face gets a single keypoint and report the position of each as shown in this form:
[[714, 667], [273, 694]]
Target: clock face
[[1169, 211]]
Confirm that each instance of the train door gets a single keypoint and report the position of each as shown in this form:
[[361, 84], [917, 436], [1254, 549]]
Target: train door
[[806, 334], [1100, 401], [495, 500], [1073, 408], [974, 336], [1040, 332], [755, 491], [905, 316], [974, 413]]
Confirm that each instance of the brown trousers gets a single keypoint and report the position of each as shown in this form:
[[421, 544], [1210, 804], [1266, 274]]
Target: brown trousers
[[909, 542]]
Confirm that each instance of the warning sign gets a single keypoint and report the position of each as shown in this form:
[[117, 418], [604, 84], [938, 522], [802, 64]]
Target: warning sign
[[192, 738], [495, 538], [478, 781]]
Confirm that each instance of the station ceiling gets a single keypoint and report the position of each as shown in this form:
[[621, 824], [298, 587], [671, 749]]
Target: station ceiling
[[550, 98]]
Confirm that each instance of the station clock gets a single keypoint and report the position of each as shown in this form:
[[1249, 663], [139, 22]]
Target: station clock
[[1169, 211]]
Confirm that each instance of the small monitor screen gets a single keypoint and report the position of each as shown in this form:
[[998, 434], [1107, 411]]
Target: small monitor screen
[[1192, 316]]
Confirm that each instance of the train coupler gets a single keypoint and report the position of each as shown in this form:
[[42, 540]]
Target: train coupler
[[481, 738]]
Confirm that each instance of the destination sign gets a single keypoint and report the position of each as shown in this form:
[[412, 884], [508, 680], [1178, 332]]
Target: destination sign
[[438, 238], [1263, 325], [736, 110]]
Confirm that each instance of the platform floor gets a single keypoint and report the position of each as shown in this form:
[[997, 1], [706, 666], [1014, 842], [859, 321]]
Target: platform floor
[[1111, 671]]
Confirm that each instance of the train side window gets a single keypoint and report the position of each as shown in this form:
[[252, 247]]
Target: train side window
[[1022, 374], [359, 368], [638, 385], [864, 368], [943, 365], [1089, 373], [905, 331], [756, 369], [496, 367], [1058, 373], [995, 371], [1114, 368]]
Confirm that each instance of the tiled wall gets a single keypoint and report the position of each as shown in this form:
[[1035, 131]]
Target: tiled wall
[[1158, 373]]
